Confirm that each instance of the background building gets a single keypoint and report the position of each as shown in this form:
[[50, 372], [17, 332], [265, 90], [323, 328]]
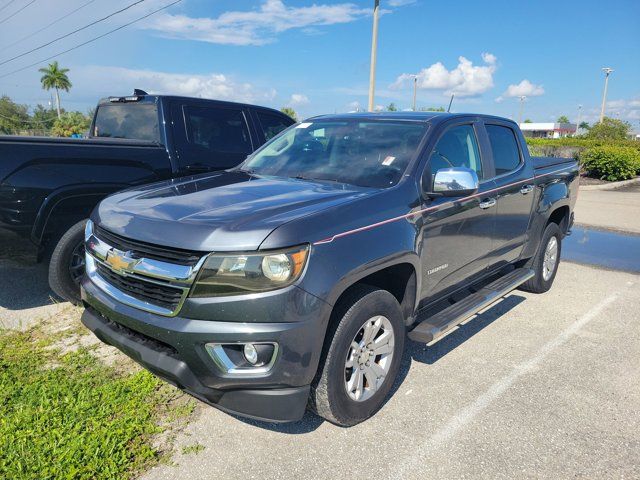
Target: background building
[[548, 130]]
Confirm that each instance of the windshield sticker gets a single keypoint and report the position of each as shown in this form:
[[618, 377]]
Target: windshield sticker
[[388, 161], [304, 125]]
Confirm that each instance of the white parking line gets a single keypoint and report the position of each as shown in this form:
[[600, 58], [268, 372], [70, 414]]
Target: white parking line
[[411, 464]]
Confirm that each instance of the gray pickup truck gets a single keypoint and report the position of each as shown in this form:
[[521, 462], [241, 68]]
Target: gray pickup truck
[[293, 280]]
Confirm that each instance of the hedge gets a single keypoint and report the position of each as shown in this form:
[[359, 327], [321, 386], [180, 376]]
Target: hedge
[[611, 162]]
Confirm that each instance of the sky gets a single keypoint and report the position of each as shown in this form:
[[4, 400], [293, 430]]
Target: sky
[[314, 56]]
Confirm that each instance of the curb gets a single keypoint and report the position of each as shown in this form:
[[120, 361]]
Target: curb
[[611, 185]]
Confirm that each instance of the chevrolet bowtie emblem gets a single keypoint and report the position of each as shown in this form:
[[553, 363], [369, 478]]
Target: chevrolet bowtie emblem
[[120, 261]]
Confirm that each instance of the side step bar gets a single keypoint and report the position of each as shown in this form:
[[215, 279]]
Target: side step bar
[[434, 327]]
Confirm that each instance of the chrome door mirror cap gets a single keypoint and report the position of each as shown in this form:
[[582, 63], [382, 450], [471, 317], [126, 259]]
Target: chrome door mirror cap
[[455, 182]]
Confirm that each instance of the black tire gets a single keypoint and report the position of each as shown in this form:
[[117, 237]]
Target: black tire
[[329, 398], [538, 284], [66, 265]]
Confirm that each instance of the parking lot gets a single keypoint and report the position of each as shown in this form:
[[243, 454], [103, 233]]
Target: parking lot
[[544, 386]]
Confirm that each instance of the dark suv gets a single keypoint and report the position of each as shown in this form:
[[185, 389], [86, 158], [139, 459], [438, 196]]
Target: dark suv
[[291, 280]]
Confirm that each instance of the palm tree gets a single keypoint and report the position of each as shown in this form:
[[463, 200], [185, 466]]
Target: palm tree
[[55, 77]]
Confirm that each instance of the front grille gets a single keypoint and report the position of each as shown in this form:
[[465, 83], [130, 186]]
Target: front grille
[[146, 250], [159, 295]]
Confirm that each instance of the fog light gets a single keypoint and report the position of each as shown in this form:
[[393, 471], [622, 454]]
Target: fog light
[[250, 353]]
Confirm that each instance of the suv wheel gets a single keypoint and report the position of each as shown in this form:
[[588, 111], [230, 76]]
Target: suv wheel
[[66, 266], [545, 262], [361, 359]]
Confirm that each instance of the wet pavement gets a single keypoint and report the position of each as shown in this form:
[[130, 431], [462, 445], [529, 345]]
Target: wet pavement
[[617, 251]]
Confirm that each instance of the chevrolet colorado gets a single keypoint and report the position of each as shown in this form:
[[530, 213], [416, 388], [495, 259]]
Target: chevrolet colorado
[[49, 186], [292, 280]]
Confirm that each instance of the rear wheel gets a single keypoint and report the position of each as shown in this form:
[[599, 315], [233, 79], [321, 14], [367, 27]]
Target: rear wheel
[[362, 359], [67, 264], [545, 262]]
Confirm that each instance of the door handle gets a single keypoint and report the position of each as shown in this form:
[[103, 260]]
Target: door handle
[[526, 189], [490, 202]]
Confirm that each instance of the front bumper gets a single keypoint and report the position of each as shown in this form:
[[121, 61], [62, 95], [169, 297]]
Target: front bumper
[[173, 349]]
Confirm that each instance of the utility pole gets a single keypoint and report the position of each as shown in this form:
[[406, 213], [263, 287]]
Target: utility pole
[[607, 71], [374, 52], [522, 98], [415, 88]]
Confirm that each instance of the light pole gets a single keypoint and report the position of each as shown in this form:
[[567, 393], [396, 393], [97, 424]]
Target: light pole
[[607, 71], [579, 118], [522, 98], [415, 88], [374, 51]]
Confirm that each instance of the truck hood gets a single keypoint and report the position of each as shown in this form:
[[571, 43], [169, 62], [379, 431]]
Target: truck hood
[[225, 211]]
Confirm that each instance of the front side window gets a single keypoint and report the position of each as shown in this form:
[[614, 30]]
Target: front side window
[[135, 121], [364, 153], [217, 129], [458, 147], [272, 124], [506, 156]]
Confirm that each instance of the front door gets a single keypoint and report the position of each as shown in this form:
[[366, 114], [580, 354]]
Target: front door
[[456, 231]]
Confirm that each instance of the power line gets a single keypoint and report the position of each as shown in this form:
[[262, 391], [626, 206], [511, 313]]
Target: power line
[[71, 33], [17, 120], [91, 40], [7, 4], [17, 12], [47, 26]]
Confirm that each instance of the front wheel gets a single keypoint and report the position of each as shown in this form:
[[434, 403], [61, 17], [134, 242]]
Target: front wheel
[[362, 359], [67, 264], [545, 262]]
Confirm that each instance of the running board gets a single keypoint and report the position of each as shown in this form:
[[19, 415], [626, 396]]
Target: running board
[[433, 328]]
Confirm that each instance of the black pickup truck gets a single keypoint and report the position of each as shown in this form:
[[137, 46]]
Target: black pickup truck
[[49, 186], [291, 280]]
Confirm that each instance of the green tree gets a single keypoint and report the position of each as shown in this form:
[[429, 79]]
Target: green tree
[[431, 109], [69, 124], [527, 120], [13, 116], [290, 111], [609, 129], [55, 77], [562, 119], [43, 117], [584, 125], [392, 107]]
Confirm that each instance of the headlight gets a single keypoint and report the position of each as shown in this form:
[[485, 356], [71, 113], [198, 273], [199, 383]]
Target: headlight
[[235, 274]]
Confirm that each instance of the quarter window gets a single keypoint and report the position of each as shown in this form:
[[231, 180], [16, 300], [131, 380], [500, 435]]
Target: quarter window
[[458, 147], [506, 155]]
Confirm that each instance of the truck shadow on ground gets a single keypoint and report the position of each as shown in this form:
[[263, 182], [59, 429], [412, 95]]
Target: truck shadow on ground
[[24, 286], [413, 352]]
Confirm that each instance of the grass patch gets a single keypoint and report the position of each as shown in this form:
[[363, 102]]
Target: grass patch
[[192, 449], [70, 416]]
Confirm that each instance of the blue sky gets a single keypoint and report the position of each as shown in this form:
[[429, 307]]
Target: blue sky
[[315, 56]]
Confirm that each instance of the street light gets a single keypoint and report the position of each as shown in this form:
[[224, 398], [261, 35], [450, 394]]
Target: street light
[[374, 51], [607, 71], [415, 88], [579, 118], [522, 98]]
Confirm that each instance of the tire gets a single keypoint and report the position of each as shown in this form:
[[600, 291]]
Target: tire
[[544, 277], [66, 265], [329, 397]]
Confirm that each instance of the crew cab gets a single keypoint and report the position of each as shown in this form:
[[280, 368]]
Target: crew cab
[[49, 186], [293, 280]]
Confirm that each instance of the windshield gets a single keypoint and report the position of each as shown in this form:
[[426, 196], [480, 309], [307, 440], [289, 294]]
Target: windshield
[[364, 153], [127, 120]]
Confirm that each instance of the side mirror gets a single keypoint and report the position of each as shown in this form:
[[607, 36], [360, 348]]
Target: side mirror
[[455, 182]]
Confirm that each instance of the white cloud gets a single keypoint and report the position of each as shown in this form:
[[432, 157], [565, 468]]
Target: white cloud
[[118, 80], [464, 80], [298, 100], [255, 27], [400, 3], [354, 106], [525, 87]]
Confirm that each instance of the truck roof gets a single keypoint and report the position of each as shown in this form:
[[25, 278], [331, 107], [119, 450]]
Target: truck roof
[[414, 116]]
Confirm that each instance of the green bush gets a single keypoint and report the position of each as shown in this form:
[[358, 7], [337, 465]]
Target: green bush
[[612, 163]]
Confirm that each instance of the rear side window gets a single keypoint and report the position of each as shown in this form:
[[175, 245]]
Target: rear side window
[[218, 129], [272, 124], [458, 147], [135, 121], [504, 146]]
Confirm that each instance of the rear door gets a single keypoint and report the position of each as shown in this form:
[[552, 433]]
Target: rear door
[[456, 231], [210, 137], [270, 124], [514, 184]]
